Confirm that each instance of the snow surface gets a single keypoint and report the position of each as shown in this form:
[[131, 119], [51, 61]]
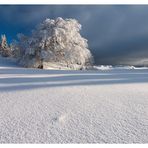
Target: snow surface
[[51, 106]]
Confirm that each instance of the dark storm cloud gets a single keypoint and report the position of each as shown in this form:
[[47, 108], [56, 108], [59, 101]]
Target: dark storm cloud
[[116, 34]]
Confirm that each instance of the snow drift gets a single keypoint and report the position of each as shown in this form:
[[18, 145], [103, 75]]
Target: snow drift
[[62, 106]]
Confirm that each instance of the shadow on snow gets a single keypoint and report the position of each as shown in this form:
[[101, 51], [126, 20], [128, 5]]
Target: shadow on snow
[[61, 78]]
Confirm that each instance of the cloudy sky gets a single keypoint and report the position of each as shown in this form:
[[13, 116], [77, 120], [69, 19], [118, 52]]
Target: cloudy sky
[[117, 34]]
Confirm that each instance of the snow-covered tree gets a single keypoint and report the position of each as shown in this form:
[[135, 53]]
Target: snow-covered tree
[[4, 48], [55, 42], [19, 47]]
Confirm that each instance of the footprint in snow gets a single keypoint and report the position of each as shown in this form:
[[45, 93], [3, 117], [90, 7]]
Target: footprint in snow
[[60, 119]]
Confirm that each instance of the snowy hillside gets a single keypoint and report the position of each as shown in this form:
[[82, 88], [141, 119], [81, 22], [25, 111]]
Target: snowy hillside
[[51, 106]]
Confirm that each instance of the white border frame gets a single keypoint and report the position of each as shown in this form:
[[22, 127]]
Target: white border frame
[[71, 2]]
